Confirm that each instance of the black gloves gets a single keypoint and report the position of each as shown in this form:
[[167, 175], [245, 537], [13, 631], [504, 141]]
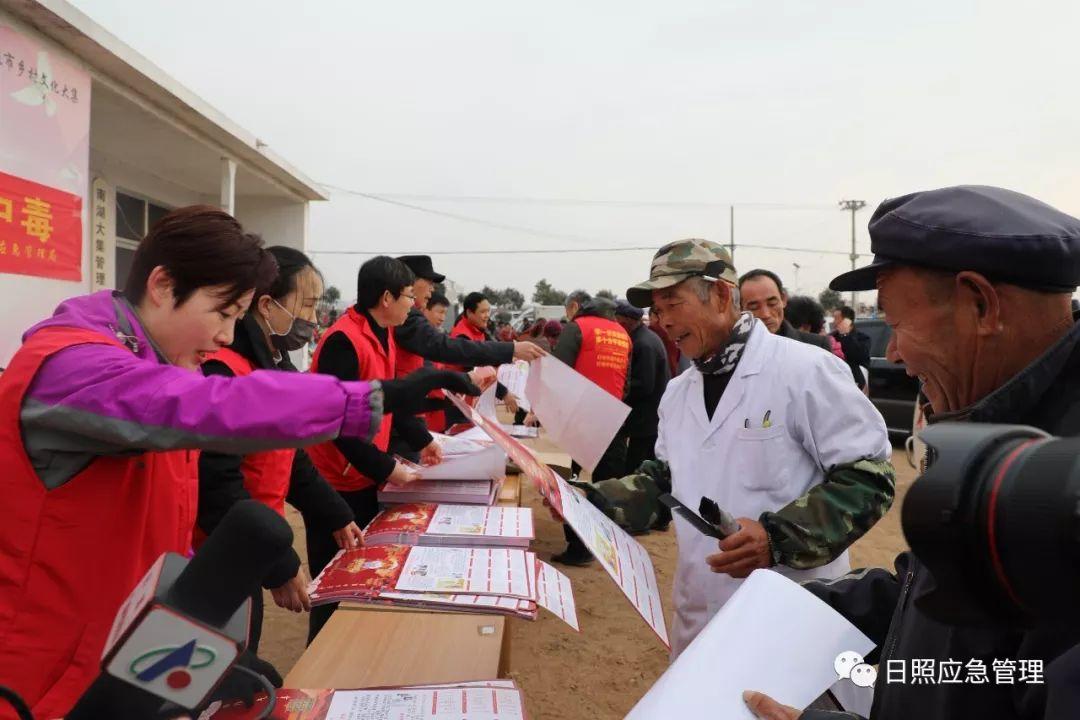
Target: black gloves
[[409, 394]]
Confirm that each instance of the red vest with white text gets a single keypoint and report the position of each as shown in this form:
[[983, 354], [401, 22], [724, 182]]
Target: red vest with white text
[[604, 357]]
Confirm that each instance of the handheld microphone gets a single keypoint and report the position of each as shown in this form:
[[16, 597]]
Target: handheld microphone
[[183, 626]]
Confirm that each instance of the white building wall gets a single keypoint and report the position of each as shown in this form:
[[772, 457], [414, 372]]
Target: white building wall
[[277, 221], [134, 180], [28, 299]]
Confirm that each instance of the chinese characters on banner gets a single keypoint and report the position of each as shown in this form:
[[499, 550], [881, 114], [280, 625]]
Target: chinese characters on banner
[[44, 158], [102, 239], [45, 112], [40, 230]]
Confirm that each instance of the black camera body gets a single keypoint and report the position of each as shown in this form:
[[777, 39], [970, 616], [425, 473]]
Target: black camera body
[[996, 520]]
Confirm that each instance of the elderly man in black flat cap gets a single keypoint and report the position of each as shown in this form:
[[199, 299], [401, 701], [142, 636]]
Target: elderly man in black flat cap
[[976, 283]]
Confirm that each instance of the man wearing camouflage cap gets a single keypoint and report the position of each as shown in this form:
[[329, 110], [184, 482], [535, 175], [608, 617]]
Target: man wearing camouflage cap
[[771, 429]]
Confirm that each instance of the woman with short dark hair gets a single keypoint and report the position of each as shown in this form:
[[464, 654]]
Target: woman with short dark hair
[[103, 414]]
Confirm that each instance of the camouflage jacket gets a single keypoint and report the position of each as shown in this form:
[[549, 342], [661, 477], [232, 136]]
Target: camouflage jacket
[[811, 531]]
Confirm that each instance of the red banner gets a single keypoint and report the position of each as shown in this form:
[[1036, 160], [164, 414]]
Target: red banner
[[40, 230]]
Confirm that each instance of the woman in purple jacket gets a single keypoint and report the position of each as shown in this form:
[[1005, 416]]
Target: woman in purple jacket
[[102, 414]]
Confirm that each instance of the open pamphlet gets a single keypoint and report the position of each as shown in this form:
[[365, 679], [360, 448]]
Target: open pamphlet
[[771, 636], [462, 492], [453, 525], [482, 700], [513, 377], [369, 570], [487, 580], [622, 557]]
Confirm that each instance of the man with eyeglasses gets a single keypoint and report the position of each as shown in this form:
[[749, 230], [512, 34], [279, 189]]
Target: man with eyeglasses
[[361, 346], [774, 431]]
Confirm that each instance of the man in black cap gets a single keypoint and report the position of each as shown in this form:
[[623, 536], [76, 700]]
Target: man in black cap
[[420, 343], [649, 376], [976, 283]]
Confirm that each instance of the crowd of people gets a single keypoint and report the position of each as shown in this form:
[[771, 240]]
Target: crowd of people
[[135, 419]]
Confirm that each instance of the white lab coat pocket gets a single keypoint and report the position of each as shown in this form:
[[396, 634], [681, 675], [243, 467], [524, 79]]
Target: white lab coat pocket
[[763, 457]]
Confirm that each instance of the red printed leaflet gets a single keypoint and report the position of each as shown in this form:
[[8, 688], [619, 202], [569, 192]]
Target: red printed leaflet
[[622, 557]]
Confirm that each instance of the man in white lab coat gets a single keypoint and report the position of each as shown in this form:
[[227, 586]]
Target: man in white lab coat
[[771, 429]]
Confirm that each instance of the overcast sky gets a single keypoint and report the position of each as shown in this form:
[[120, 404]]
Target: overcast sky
[[785, 107]]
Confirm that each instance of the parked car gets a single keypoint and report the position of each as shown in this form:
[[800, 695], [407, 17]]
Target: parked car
[[891, 390]]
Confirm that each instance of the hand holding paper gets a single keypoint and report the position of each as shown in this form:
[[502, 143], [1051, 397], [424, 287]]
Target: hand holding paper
[[514, 377], [482, 377], [403, 474], [431, 455], [528, 351], [771, 637], [511, 402], [766, 708]]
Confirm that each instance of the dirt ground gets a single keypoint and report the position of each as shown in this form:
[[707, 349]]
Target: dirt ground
[[602, 671]]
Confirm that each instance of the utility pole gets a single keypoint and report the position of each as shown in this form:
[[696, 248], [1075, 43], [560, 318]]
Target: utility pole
[[797, 267], [854, 206], [731, 232]]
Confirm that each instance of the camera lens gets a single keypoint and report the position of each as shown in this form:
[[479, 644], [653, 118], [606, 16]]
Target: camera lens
[[995, 519], [1030, 506]]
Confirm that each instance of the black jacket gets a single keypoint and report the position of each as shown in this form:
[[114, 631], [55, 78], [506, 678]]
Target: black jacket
[[856, 347], [790, 331], [221, 484], [419, 337], [649, 376], [1046, 395]]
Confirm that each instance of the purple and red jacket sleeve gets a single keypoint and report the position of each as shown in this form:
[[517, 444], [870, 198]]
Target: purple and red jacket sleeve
[[102, 399]]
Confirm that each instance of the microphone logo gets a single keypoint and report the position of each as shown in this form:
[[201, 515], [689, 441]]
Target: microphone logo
[[175, 660]]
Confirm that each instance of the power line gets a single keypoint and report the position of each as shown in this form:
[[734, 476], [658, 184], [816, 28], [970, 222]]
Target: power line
[[463, 218], [544, 251], [540, 233], [528, 200]]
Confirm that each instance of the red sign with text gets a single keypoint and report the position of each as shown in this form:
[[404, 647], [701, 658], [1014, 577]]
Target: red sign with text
[[40, 230]]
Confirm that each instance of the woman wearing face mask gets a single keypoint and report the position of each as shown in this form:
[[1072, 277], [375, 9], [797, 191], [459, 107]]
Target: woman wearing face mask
[[280, 320]]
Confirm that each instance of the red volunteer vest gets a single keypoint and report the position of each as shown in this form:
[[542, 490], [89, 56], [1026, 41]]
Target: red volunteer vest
[[604, 357], [70, 555], [374, 364], [464, 328], [406, 363], [266, 474]]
